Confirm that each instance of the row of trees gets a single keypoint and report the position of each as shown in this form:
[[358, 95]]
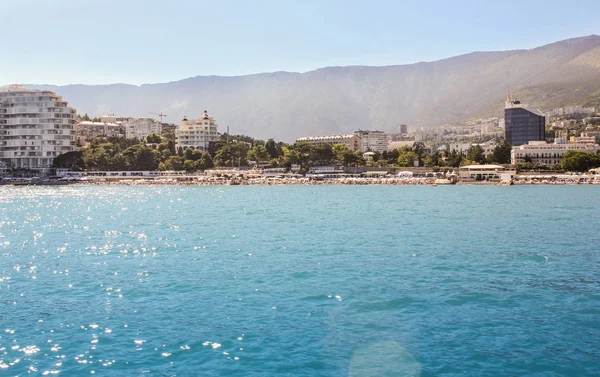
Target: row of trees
[[158, 152], [580, 161]]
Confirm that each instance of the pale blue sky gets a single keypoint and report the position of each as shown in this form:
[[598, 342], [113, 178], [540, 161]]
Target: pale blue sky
[[147, 41]]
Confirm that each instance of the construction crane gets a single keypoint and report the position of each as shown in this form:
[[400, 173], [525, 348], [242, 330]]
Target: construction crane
[[160, 115]]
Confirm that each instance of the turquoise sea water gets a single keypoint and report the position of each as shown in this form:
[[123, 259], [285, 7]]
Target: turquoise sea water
[[300, 281]]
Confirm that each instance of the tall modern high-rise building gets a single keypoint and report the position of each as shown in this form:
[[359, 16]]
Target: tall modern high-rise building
[[35, 127], [523, 124]]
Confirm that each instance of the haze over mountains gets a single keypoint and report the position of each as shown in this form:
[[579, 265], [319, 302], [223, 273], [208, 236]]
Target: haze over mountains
[[335, 100]]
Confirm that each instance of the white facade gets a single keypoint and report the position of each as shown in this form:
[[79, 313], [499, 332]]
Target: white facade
[[139, 128], [35, 127], [493, 173], [197, 133], [542, 153], [374, 141], [459, 147]]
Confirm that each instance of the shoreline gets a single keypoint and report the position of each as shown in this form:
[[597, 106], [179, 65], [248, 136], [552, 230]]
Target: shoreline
[[213, 181]]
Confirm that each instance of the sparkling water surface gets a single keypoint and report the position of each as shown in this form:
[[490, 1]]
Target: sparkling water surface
[[300, 281]]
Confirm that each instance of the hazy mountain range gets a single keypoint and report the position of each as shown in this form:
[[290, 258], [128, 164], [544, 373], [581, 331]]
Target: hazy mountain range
[[336, 100]]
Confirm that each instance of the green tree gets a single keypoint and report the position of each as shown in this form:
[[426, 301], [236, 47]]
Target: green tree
[[187, 154], [501, 153], [298, 153], [454, 158], [419, 148], [475, 153], [189, 166], [232, 154], [140, 157], [171, 146], [340, 151], [70, 160], [407, 157], [153, 138], [359, 159], [258, 153], [205, 162], [171, 163], [192, 154], [579, 161], [118, 163], [429, 161], [224, 156], [391, 157], [321, 154], [272, 148]]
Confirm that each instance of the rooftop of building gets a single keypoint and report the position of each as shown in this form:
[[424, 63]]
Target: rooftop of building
[[22, 89], [482, 167], [556, 144], [89, 123], [529, 109], [366, 132], [400, 143], [332, 137]]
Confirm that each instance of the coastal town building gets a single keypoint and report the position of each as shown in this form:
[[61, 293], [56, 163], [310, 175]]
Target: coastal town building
[[571, 110], [35, 127], [373, 141], [523, 124], [488, 173], [459, 147], [352, 141], [542, 153], [140, 128], [595, 134], [583, 139], [393, 145], [197, 133], [88, 130]]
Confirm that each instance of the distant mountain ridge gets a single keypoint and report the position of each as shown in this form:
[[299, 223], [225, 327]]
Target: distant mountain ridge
[[337, 100]]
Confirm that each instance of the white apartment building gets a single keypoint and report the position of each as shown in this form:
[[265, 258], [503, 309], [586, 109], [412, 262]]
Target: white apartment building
[[88, 130], [95, 129], [352, 141], [197, 133], [374, 141], [35, 127], [139, 128], [542, 153]]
